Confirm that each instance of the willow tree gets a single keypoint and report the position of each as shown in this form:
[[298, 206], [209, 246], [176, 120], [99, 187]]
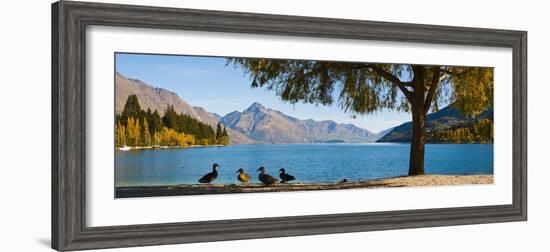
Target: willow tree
[[365, 88]]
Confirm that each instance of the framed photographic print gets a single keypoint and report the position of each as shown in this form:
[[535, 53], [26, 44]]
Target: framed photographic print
[[177, 125]]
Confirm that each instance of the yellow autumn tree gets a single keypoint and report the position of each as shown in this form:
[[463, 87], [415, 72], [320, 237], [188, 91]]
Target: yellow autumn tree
[[190, 139], [145, 135], [120, 135], [168, 137], [156, 138], [132, 132], [181, 139]]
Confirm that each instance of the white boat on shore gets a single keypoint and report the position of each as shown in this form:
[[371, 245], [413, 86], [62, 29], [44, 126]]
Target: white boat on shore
[[125, 148]]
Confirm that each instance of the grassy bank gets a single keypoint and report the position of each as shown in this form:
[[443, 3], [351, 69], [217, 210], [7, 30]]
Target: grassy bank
[[200, 189]]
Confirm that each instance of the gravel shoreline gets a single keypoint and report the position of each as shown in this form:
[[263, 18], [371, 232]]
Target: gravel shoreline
[[201, 189]]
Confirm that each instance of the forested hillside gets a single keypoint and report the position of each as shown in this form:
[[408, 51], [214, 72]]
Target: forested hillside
[[136, 127], [448, 125]]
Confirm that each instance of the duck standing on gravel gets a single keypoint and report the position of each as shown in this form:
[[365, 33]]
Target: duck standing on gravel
[[266, 179], [243, 177], [284, 176], [211, 176]]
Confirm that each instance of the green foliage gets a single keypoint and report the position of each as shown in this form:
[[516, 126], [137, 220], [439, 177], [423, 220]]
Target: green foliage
[[364, 88], [170, 118], [221, 135], [224, 133], [136, 127], [156, 122], [218, 131], [132, 107], [315, 82]]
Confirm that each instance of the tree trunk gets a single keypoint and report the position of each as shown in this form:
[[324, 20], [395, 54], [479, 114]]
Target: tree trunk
[[418, 140]]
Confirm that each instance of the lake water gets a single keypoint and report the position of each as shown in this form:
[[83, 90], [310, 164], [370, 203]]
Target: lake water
[[307, 162]]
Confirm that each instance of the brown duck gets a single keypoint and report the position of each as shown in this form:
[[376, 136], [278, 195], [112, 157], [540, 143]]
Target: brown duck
[[266, 179], [243, 176]]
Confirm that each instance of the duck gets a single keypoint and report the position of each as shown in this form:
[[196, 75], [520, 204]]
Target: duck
[[284, 176], [243, 176], [211, 176], [266, 179]]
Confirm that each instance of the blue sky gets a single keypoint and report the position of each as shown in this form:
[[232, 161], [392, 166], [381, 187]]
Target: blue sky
[[207, 82]]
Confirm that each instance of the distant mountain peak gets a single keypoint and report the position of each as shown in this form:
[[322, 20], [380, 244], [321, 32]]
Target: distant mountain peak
[[255, 107], [267, 125], [257, 104]]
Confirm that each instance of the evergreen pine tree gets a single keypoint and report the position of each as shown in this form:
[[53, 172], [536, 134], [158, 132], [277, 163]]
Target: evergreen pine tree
[[132, 107], [170, 117], [218, 132], [155, 123], [225, 132]]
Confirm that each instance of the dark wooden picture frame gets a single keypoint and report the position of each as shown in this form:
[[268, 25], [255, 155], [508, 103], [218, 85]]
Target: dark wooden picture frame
[[69, 22]]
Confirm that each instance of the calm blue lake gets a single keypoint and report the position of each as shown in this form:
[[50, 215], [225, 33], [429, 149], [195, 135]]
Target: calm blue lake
[[307, 162]]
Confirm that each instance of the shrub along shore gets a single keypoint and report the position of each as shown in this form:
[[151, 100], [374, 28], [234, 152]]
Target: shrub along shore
[[200, 189]]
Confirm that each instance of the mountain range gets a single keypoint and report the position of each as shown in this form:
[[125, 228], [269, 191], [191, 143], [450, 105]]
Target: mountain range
[[445, 118], [256, 124], [271, 126]]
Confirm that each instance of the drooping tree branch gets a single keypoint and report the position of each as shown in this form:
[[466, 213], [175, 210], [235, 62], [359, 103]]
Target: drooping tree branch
[[401, 84], [434, 83], [368, 87]]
